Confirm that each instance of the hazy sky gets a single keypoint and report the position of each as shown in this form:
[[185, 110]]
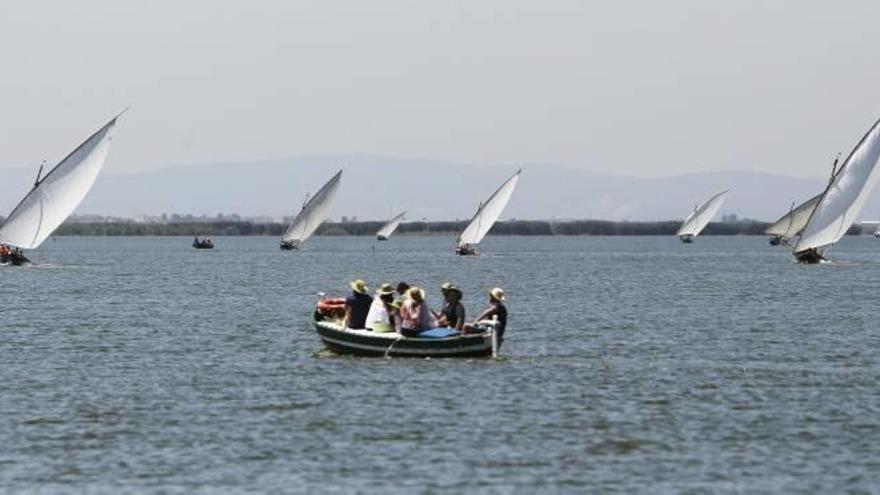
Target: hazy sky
[[643, 88]]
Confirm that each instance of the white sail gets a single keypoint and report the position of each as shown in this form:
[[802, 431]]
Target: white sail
[[488, 213], [58, 193], [313, 213], [390, 227], [794, 221], [845, 196], [697, 221]]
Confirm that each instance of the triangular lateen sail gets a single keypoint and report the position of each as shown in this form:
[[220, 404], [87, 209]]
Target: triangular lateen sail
[[57, 194], [697, 221], [844, 197], [313, 213], [488, 213], [795, 220], [389, 228]]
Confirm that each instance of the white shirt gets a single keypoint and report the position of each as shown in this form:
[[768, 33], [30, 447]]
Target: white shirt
[[377, 314]]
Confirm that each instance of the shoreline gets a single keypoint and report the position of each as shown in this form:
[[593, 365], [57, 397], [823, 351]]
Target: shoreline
[[450, 228]]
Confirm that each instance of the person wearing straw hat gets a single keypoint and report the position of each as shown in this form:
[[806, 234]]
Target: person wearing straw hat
[[357, 305], [496, 308], [414, 314], [378, 318], [452, 314]]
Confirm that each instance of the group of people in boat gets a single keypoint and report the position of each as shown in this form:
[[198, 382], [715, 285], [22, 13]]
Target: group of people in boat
[[205, 243], [12, 255], [403, 309]]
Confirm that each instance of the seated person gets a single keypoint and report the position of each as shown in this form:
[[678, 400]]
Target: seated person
[[414, 314], [357, 305], [378, 318], [452, 314], [496, 308]]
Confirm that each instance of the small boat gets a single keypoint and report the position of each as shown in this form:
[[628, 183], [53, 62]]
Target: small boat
[[205, 243], [14, 257], [392, 344], [485, 217], [312, 215], [792, 223], [842, 200], [700, 217], [55, 196], [385, 232]]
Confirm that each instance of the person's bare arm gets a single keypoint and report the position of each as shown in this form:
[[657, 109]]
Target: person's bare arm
[[347, 319]]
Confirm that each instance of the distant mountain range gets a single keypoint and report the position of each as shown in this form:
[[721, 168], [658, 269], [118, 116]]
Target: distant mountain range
[[374, 187]]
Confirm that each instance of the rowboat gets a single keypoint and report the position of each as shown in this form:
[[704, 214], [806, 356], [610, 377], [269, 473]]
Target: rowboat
[[347, 341]]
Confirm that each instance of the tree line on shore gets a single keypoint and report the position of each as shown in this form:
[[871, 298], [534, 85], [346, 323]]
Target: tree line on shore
[[513, 227]]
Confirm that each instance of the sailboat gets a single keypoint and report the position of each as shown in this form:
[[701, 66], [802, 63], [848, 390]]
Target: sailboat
[[389, 228], [485, 217], [842, 200], [697, 221], [792, 223], [54, 197], [312, 215]]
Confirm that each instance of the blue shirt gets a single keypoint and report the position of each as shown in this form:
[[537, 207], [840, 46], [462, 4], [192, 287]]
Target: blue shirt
[[360, 307]]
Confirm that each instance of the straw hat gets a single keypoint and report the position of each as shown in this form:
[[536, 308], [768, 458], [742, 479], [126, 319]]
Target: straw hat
[[385, 290], [447, 287], [358, 286], [497, 293], [416, 294]]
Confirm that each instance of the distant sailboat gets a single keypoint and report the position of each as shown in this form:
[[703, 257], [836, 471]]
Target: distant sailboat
[[55, 196], [312, 215], [389, 228], [697, 221], [793, 222], [842, 200], [486, 216]]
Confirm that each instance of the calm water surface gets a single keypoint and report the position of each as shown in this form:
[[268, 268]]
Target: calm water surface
[[632, 364]]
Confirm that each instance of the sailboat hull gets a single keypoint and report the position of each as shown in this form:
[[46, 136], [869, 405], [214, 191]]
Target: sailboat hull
[[289, 246], [778, 240], [687, 239], [466, 251], [14, 260], [809, 257], [381, 238]]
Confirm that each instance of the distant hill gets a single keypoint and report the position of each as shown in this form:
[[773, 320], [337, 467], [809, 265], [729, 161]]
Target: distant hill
[[373, 187]]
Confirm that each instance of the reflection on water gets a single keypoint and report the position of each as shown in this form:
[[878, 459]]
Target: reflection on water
[[631, 364]]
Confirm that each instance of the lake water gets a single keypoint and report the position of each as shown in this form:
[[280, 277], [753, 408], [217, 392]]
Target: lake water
[[631, 364]]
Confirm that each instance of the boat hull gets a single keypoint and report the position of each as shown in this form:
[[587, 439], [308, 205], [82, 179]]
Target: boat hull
[[687, 239], [370, 344], [289, 246], [809, 257], [14, 260], [381, 238], [466, 251], [203, 245]]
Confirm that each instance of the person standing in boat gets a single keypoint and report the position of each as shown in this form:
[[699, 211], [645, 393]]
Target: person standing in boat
[[379, 316], [452, 314], [496, 308], [357, 305]]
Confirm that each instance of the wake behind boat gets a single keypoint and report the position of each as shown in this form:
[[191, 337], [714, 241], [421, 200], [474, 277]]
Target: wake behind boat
[[842, 200], [485, 217], [312, 215], [54, 196], [700, 217]]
